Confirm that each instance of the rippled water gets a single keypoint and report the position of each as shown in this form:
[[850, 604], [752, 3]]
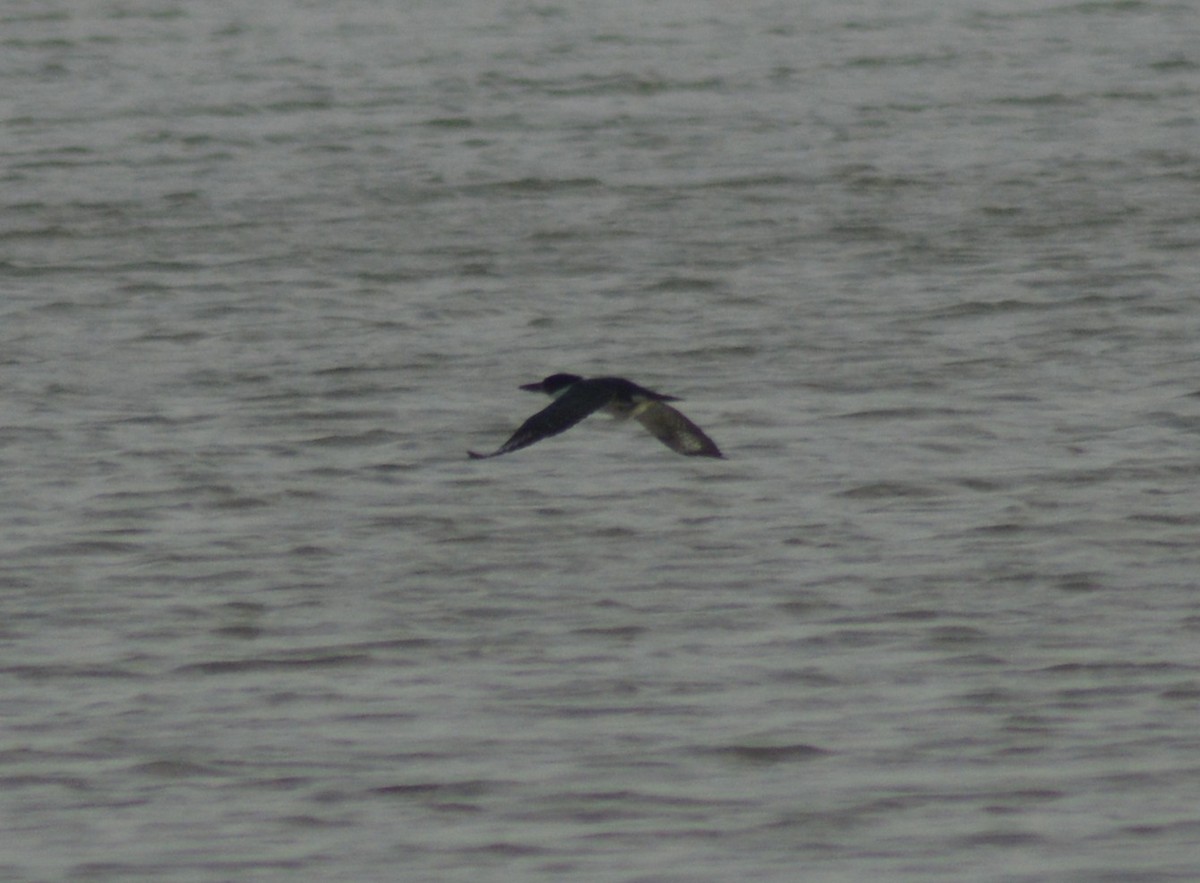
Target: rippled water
[[927, 273]]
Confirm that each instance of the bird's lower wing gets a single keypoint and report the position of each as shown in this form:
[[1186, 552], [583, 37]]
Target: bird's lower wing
[[675, 431], [559, 416]]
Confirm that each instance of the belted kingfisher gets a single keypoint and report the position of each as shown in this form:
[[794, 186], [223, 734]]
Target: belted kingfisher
[[576, 398]]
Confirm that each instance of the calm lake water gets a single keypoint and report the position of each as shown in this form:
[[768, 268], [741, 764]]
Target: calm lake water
[[928, 273]]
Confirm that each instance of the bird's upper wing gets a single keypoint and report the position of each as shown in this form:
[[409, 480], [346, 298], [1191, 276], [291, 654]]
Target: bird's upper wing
[[559, 416], [675, 431]]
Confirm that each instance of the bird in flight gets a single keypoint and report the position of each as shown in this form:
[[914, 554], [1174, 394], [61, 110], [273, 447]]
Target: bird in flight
[[576, 397]]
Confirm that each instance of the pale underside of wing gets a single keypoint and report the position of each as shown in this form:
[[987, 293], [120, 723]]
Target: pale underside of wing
[[675, 431]]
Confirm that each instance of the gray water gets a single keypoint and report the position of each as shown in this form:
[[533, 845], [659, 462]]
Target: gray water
[[928, 273]]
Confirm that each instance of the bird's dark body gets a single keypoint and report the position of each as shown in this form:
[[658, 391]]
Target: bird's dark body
[[577, 398]]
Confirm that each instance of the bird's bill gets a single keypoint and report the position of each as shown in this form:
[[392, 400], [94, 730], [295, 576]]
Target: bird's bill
[[531, 387]]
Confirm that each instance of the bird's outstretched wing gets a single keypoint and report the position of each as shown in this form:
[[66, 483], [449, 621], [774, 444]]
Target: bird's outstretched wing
[[675, 431], [559, 416]]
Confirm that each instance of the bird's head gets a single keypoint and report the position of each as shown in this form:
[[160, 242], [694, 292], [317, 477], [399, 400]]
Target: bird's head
[[553, 384]]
